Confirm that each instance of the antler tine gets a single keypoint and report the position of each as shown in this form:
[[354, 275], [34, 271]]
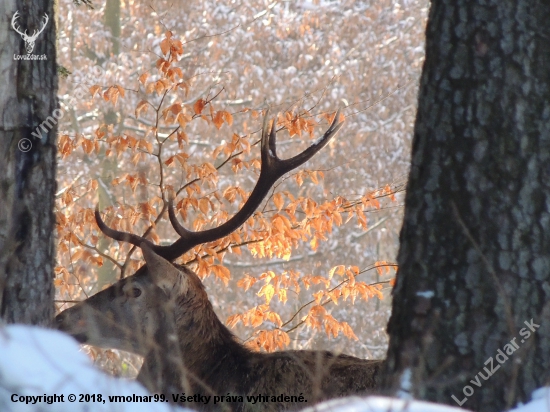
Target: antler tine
[[292, 163], [46, 20], [121, 236], [37, 32], [180, 230], [17, 29], [268, 139], [271, 147]]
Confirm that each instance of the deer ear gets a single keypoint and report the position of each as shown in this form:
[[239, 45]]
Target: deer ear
[[165, 275]]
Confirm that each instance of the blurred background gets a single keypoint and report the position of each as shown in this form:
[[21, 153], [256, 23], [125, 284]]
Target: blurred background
[[304, 58]]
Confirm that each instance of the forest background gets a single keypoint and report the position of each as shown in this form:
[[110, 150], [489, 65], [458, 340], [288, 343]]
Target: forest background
[[313, 267]]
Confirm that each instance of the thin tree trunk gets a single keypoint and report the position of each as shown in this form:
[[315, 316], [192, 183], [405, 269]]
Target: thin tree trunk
[[474, 261], [112, 20], [28, 108]]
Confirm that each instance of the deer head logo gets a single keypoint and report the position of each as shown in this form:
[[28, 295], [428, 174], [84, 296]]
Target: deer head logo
[[29, 40]]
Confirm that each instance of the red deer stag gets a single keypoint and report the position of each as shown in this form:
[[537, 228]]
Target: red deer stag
[[162, 313]]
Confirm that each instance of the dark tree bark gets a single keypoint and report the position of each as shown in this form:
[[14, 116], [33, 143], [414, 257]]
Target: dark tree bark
[[28, 116], [474, 261]]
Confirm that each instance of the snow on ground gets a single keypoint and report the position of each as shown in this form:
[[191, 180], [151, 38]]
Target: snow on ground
[[380, 404], [38, 362], [540, 402]]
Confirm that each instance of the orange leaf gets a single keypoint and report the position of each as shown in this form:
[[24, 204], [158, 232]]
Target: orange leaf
[[267, 291], [199, 106], [143, 78], [278, 200], [282, 295], [150, 88], [275, 318], [159, 87], [247, 282], [183, 118], [228, 117], [233, 320], [145, 145], [182, 137], [340, 270], [299, 178], [162, 65], [88, 146], [142, 105], [203, 205], [217, 119], [318, 296], [313, 244], [165, 46], [222, 273], [342, 117], [313, 176], [256, 319], [348, 331], [318, 310], [120, 90], [94, 89]]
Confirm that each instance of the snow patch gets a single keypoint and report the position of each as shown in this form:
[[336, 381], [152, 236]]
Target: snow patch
[[36, 361], [405, 385], [380, 404]]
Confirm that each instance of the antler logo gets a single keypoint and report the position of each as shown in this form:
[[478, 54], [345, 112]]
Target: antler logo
[[29, 40]]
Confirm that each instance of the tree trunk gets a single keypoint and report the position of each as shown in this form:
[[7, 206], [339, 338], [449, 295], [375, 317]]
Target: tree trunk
[[112, 20], [471, 302], [28, 116]]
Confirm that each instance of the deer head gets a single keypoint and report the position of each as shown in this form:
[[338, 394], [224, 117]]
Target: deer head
[[128, 314], [162, 312], [29, 40]]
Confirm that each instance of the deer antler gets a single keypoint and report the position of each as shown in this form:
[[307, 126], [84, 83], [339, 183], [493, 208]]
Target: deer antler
[[272, 169], [25, 36], [16, 28], [37, 32], [29, 40]]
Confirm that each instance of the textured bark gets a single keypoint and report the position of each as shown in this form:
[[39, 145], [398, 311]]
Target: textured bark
[[475, 244], [28, 90]]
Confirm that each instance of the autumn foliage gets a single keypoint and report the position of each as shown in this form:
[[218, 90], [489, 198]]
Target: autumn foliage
[[202, 202], [182, 136]]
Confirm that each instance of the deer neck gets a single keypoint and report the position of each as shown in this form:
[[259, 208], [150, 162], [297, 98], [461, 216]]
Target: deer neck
[[200, 354], [208, 348]]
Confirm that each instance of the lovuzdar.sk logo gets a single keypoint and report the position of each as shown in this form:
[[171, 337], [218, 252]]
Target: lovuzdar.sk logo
[[29, 39]]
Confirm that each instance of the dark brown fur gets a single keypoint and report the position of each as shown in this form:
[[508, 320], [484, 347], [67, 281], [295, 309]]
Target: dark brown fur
[[190, 351]]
